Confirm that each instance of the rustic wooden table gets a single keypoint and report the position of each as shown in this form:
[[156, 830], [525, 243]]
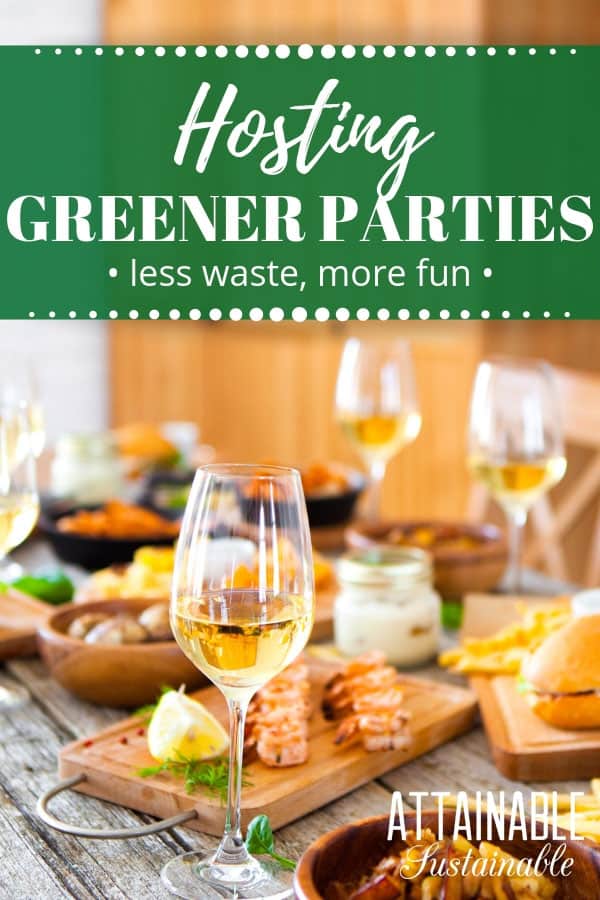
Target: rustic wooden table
[[38, 862]]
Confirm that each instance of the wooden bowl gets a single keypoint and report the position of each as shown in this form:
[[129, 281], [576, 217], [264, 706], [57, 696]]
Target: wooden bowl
[[349, 852], [457, 571], [127, 675]]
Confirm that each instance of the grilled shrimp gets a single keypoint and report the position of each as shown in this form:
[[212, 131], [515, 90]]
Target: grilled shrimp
[[378, 732], [276, 724], [285, 744], [366, 696]]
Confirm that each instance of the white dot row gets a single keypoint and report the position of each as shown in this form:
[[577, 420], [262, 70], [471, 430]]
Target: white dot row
[[300, 314], [306, 51]]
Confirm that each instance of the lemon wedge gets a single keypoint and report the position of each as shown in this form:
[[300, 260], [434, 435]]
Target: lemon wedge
[[181, 726]]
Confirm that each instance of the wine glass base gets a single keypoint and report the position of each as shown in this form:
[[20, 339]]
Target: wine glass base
[[194, 876]]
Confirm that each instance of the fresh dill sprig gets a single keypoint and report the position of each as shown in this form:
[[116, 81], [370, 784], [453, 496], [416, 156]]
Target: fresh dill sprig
[[212, 775]]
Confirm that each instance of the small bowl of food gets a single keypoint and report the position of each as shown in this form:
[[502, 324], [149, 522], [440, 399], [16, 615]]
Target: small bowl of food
[[95, 537], [357, 862], [331, 492], [166, 492], [115, 652], [466, 557]]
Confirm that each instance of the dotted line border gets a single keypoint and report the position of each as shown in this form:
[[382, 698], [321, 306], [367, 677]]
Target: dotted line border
[[307, 51], [301, 314]]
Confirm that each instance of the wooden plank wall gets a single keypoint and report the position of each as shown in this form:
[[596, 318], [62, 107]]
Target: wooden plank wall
[[295, 21], [266, 390]]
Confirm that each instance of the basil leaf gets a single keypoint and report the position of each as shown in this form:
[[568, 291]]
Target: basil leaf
[[259, 837], [452, 615], [52, 587]]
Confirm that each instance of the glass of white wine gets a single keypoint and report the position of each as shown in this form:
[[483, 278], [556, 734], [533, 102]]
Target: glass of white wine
[[19, 503], [19, 387], [244, 525], [515, 441], [376, 405]]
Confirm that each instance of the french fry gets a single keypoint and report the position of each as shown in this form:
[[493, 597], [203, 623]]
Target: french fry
[[503, 652], [586, 824], [589, 802], [586, 818]]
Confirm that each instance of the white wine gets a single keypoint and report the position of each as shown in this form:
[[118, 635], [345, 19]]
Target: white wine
[[241, 639], [37, 427], [18, 515], [21, 432], [518, 483], [380, 436]]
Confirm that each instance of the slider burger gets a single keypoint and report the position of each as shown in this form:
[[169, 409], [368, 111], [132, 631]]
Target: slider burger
[[561, 680]]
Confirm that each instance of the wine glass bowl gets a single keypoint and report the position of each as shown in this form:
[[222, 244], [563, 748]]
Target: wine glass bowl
[[19, 389], [515, 440], [376, 404], [242, 609], [19, 503]]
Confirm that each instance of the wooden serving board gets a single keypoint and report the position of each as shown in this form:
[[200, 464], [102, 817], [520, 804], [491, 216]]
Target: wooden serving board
[[20, 617], [112, 758], [523, 746]]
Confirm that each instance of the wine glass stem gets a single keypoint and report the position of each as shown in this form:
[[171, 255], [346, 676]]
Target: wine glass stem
[[377, 470], [516, 522], [232, 850]]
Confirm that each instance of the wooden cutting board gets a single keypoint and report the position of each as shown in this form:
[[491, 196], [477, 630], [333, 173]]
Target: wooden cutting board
[[523, 746], [112, 758], [20, 617]]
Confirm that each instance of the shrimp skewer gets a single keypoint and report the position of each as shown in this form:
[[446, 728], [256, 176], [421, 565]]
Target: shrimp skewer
[[277, 721], [367, 698]]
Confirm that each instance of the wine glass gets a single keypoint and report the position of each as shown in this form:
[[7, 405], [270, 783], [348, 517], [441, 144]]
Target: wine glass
[[376, 405], [19, 387], [19, 503], [247, 525], [515, 441]]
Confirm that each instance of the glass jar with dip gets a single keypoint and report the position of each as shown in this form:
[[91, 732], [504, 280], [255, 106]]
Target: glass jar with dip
[[86, 468], [387, 603]]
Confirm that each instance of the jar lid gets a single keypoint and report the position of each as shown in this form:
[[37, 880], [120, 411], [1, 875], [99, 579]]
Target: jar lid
[[404, 566]]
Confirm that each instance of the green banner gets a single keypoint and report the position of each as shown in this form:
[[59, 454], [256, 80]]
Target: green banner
[[304, 182]]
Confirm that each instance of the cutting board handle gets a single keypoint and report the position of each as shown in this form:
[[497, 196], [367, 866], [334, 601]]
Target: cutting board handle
[[109, 833]]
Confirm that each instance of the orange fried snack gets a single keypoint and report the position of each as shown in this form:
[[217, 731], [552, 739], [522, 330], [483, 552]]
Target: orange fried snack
[[319, 478], [119, 520]]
